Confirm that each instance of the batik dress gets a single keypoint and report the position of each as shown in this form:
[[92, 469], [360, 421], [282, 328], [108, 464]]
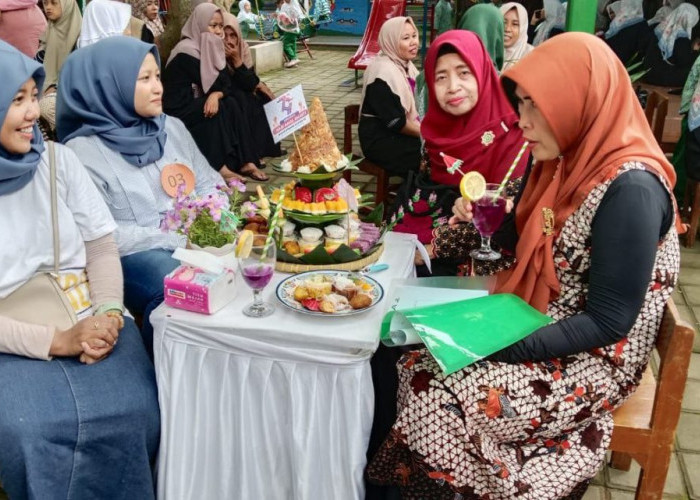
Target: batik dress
[[531, 430]]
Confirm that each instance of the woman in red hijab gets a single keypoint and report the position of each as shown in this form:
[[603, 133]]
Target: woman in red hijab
[[470, 118], [597, 250]]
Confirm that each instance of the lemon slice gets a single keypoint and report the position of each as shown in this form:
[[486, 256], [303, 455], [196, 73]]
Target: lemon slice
[[245, 243], [472, 186]]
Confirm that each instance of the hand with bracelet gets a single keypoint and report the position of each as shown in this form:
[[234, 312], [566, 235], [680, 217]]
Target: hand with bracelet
[[91, 338]]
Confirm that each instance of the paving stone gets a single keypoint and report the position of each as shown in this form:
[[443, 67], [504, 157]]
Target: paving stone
[[691, 465], [628, 479], [690, 275], [595, 493], [694, 368], [600, 477], [678, 296], [688, 432], [692, 294], [691, 396], [620, 494], [687, 313]]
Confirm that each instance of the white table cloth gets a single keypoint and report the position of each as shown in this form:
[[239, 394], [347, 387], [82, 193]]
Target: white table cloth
[[278, 407]]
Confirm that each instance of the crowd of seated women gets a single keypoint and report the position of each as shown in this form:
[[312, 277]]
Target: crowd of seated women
[[78, 406]]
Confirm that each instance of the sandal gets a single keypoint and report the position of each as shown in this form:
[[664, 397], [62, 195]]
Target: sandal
[[228, 174], [254, 173]]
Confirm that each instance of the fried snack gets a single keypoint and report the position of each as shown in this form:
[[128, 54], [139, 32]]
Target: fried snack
[[301, 293], [259, 240], [253, 226], [316, 144], [360, 301], [327, 306], [292, 247], [318, 289]]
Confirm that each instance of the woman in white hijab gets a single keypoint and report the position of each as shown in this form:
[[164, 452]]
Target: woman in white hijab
[[102, 19], [629, 34], [515, 22], [554, 21], [670, 56]]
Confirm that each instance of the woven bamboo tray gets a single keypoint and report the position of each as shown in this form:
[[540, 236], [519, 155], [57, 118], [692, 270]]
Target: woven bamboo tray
[[355, 265]]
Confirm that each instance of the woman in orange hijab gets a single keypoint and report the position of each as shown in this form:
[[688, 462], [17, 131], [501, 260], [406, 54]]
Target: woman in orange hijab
[[597, 250]]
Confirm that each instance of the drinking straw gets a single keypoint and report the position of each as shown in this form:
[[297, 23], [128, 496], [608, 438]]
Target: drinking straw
[[510, 171], [272, 226]]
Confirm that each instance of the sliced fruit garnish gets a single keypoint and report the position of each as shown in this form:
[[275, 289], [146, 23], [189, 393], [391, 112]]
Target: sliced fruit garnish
[[311, 304], [245, 243], [303, 194], [325, 194], [472, 186]]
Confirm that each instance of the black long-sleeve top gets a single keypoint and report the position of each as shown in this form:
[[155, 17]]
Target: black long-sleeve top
[[671, 73], [633, 216], [179, 77], [243, 78]]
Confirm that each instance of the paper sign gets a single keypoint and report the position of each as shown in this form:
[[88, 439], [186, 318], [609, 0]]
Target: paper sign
[[175, 174], [287, 113]]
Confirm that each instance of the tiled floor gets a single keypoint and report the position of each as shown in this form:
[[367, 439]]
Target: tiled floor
[[327, 77]]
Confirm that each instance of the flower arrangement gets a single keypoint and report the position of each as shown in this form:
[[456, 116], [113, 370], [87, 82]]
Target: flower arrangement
[[211, 220]]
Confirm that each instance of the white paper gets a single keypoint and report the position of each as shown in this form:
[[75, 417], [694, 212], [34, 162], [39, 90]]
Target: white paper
[[424, 253], [204, 260], [287, 113]]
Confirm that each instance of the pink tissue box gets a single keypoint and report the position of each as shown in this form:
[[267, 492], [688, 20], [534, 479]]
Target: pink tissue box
[[193, 289]]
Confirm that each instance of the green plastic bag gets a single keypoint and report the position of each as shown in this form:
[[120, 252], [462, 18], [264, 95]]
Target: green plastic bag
[[461, 333]]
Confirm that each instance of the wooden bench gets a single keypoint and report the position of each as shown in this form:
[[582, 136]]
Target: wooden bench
[[656, 112], [352, 117], [672, 123], [645, 425]]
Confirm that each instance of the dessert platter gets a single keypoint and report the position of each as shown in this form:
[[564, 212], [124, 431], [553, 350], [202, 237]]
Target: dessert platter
[[316, 156], [329, 293], [321, 228]]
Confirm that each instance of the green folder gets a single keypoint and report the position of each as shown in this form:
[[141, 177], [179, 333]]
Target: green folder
[[461, 333]]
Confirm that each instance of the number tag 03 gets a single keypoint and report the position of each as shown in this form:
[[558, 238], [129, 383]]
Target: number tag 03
[[173, 176]]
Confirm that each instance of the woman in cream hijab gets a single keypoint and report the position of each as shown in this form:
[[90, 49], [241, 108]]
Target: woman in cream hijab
[[60, 39], [389, 129], [515, 22]]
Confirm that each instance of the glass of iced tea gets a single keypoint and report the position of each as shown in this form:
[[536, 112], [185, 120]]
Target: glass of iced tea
[[257, 270], [488, 211]]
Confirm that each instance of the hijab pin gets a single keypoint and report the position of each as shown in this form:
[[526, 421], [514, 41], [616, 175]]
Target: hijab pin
[[547, 221], [504, 127], [487, 138]]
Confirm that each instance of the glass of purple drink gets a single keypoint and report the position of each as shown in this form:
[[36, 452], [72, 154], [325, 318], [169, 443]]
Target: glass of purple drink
[[488, 211], [257, 270]]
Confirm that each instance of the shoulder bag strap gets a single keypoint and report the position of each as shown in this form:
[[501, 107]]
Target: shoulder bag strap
[[54, 208]]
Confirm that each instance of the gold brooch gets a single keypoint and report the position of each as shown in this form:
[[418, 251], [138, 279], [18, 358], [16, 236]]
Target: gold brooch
[[548, 221], [487, 138]]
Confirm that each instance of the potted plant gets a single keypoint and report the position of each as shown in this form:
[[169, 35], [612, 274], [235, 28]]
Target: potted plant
[[210, 222]]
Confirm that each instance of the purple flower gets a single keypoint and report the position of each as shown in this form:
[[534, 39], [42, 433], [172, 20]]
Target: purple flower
[[237, 184]]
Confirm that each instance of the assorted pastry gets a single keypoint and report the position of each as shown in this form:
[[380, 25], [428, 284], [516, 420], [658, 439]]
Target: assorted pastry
[[320, 201], [350, 231], [333, 294]]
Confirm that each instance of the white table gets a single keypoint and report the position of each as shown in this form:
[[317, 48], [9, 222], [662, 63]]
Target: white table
[[272, 408]]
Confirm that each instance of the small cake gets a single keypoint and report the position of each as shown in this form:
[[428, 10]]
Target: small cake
[[345, 287], [288, 231], [311, 237], [335, 236], [318, 288]]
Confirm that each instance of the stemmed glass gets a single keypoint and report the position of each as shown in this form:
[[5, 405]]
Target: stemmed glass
[[257, 270], [488, 211]]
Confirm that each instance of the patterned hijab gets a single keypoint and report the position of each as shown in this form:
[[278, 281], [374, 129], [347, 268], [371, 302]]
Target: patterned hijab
[[520, 48], [61, 37], [138, 10], [389, 67], [555, 17], [102, 19], [584, 93], [199, 43], [678, 24], [627, 13], [230, 21], [690, 101], [16, 171], [96, 97], [487, 21], [487, 138]]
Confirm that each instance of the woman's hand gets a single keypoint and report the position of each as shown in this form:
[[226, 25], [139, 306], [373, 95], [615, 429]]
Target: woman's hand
[[463, 212], [264, 89], [94, 336], [211, 106], [233, 54]]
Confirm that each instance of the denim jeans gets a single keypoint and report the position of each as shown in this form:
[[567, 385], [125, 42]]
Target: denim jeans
[[143, 286], [75, 431]]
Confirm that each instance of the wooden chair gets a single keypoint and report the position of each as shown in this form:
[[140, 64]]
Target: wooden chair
[[352, 117], [645, 425], [656, 111], [691, 206], [304, 46]]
